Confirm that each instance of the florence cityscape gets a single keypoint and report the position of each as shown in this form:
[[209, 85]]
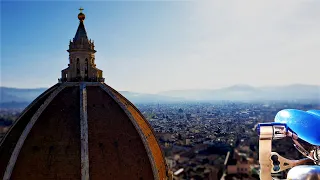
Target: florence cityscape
[[192, 81], [196, 137]]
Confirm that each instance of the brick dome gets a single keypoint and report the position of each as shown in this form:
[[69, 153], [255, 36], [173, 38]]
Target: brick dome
[[81, 130]]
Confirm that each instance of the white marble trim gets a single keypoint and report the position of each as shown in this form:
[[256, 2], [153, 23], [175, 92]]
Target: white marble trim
[[84, 133]]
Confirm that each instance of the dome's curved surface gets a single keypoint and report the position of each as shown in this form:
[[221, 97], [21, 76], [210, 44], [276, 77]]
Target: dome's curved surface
[[10, 140], [47, 145], [81, 128]]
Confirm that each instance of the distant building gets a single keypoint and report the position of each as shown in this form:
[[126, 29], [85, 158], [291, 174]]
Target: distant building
[[81, 128], [239, 164], [187, 141], [3, 129], [171, 163]]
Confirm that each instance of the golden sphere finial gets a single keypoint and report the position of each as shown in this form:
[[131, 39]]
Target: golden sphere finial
[[81, 16]]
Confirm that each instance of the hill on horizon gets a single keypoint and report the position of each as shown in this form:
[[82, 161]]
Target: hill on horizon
[[250, 93], [295, 92]]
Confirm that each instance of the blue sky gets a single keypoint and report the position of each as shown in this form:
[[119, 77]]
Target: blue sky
[[152, 46]]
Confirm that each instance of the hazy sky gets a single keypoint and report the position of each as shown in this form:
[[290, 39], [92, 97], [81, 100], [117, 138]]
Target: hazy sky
[[152, 46]]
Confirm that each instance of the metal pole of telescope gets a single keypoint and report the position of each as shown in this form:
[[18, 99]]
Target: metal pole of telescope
[[265, 145]]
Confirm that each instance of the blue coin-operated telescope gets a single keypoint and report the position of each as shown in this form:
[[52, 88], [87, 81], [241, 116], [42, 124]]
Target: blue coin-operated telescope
[[297, 124]]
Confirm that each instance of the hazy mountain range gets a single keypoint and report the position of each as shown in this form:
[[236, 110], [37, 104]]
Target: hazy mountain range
[[250, 93], [21, 97]]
